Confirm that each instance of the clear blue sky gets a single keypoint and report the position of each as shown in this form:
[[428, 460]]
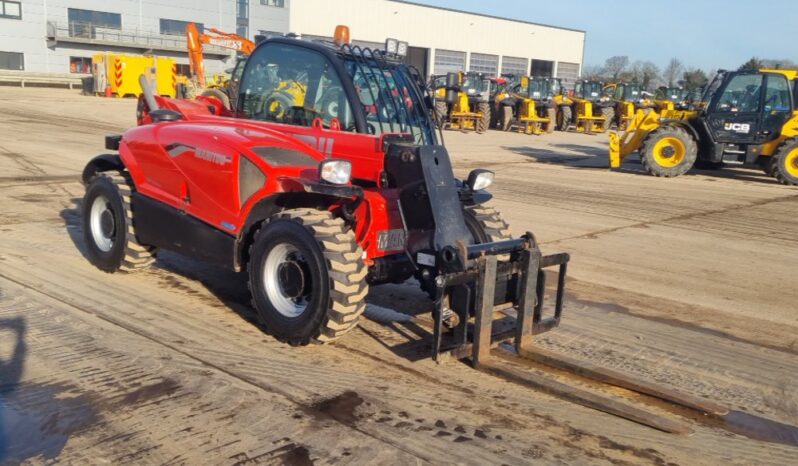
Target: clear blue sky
[[708, 34]]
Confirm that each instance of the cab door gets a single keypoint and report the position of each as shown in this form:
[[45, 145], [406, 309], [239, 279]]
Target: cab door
[[777, 107], [735, 116]]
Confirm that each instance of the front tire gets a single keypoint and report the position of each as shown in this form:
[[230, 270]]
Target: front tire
[[784, 166], [668, 151], [564, 118], [109, 225], [441, 113], [609, 117], [307, 277]]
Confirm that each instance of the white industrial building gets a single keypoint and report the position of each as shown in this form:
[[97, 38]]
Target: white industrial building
[[60, 36]]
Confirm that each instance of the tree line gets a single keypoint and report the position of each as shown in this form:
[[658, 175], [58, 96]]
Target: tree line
[[675, 73]]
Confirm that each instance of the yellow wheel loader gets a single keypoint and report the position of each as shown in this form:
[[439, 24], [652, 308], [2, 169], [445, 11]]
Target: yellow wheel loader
[[588, 110], [531, 108], [628, 98], [463, 102], [749, 117]]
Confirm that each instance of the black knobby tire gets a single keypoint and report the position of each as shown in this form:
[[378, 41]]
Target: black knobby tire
[[784, 163], [551, 114], [484, 122], [506, 117], [110, 236], [486, 224], [332, 267], [441, 113], [649, 146], [609, 117], [219, 94], [565, 117]]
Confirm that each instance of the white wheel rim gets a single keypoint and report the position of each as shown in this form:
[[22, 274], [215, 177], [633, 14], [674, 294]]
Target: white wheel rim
[[285, 305], [104, 241]]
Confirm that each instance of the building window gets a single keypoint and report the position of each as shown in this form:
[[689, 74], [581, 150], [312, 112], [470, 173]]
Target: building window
[[11, 10], [80, 65], [277, 3], [84, 23], [514, 65], [12, 61], [483, 63], [173, 27], [543, 68], [242, 18], [449, 61], [568, 72]]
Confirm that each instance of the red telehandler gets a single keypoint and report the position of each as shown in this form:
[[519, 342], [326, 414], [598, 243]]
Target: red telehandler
[[320, 196]]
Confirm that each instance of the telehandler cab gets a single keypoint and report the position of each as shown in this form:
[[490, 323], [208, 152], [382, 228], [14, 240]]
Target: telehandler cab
[[349, 189], [671, 98], [748, 117]]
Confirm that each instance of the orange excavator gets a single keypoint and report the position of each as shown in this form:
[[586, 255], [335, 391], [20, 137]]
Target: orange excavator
[[195, 41]]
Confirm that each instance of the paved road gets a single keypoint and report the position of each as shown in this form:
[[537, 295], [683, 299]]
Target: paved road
[[686, 282]]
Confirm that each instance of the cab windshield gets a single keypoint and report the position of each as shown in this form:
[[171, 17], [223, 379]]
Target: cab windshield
[[543, 88], [391, 98], [632, 92], [592, 90]]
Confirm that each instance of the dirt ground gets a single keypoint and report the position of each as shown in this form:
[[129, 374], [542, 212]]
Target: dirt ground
[[688, 282]]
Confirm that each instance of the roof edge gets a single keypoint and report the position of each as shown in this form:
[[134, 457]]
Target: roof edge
[[406, 2]]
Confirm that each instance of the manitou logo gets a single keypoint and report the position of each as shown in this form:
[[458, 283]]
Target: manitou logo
[[738, 127]]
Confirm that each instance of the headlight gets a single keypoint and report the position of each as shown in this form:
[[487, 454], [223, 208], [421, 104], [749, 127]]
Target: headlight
[[335, 171], [480, 179]]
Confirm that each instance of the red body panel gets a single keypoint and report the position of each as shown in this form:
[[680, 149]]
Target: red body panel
[[192, 165]]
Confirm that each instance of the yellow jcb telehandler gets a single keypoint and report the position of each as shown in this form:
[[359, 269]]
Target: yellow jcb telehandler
[[463, 102], [531, 107], [748, 117], [627, 99], [587, 109], [671, 98]]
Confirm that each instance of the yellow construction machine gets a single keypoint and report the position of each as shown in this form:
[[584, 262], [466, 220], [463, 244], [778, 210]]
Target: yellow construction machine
[[463, 102], [627, 98], [531, 107], [748, 117], [671, 98], [587, 110]]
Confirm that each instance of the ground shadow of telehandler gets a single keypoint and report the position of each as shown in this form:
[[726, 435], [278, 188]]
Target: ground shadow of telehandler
[[592, 157], [11, 370], [230, 289]]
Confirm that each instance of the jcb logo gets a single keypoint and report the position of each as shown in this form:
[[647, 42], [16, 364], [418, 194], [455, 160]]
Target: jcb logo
[[738, 127]]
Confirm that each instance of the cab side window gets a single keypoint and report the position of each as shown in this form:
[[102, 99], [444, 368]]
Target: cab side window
[[777, 95], [742, 94], [292, 85]]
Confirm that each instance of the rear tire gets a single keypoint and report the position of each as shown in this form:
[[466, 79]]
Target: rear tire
[[109, 225], [484, 122], [307, 277], [219, 94], [784, 163], [565, 117], [668, 151]]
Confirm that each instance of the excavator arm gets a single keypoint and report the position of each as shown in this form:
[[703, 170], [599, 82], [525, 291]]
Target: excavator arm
[[195, 40]]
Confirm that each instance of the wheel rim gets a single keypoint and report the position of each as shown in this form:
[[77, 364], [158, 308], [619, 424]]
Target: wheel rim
[[669, 152], [791, 163], [102, 222], [286, 280]]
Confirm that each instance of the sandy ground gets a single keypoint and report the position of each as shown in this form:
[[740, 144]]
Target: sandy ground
[[689, 282]]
